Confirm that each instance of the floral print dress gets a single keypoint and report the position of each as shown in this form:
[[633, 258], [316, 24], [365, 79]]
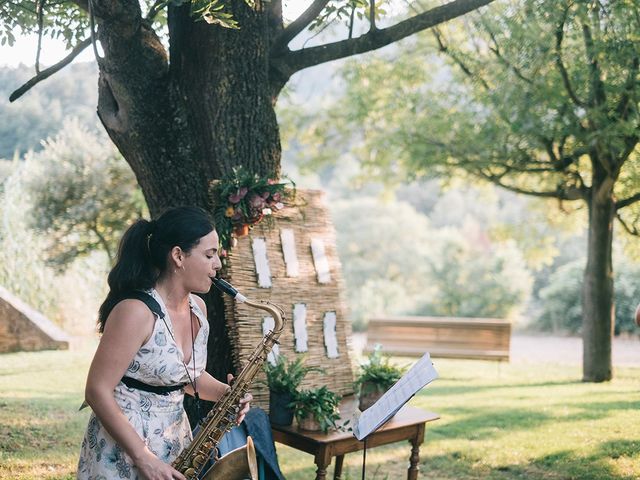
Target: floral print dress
[[160, 420]]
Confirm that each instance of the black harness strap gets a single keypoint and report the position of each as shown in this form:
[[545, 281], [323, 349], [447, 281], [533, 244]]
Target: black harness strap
[[154, 306], [160, 390]]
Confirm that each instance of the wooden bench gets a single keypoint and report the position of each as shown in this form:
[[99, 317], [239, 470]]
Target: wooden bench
[[442, 337]]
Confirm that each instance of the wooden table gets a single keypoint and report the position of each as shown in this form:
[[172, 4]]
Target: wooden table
[[407, 424]]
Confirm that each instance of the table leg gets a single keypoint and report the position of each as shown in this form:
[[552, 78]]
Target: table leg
[[321, 472], [323, 460], [412, 473], [337, 473]]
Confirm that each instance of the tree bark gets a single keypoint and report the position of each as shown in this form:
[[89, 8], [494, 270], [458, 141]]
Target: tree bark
[[598, 305]]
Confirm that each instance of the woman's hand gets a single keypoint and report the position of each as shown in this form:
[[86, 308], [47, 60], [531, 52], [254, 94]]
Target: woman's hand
[[243, 405], [152, 468]]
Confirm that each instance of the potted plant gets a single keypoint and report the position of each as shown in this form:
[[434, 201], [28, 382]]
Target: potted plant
[[317, 409], [283, 380], [375, 377]]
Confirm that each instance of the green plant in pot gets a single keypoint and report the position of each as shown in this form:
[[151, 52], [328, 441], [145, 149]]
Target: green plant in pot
[[283, 378], [376, 375], [317, 409]]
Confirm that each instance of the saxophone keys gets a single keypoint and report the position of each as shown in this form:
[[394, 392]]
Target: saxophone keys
[[190, 473], [199, 460]]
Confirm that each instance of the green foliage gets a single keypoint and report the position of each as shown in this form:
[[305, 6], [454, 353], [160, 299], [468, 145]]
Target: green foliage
[[320, 403], [61, 20], [84, 194], [24, 270], [344, 11], [561, 299], [379, 370], [475, 277], [396, 262], [72, 92], [286, 376]]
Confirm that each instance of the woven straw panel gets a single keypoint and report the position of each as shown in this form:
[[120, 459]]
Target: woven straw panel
[[308, 219]]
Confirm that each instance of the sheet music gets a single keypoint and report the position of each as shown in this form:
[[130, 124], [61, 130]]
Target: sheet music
[[421, 374]]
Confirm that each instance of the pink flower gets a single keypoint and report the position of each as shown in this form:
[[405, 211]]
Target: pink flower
[[276, 197], [256, 202], [239, 195], [279, 206], [265, 195]]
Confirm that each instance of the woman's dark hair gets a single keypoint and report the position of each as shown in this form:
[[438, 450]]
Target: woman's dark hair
[[144, 250]]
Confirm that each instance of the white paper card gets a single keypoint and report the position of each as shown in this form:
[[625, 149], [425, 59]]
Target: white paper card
[[289, 251], [421, 374], [267, 325], [320, 260], [300, 327], [330, 339], [262, 264]]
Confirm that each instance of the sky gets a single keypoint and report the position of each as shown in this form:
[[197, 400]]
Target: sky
[[24, 50]]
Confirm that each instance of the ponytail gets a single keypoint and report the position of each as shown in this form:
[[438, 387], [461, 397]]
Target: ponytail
[[144, 250]]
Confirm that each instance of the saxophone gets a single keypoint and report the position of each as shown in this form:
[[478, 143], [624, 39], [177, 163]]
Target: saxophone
[[240, 463]]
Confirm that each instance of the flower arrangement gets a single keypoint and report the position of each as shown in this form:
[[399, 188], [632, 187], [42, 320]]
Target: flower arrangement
[[242, 199]]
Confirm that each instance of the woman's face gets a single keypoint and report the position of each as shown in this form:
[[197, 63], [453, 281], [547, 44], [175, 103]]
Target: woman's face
[[202, 263]]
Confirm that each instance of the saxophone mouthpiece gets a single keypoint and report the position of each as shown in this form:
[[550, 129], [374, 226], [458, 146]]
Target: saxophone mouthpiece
[[226, 287]]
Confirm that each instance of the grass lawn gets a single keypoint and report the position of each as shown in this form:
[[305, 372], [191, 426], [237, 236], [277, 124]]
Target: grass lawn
[[498, 422]]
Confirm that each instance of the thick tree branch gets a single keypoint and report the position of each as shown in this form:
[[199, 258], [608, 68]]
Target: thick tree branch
[[308, 57], [625, 202], [44, 74], [560, 193], [298, 25]]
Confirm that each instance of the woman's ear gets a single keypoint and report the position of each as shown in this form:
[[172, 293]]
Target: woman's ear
[[177, 256]]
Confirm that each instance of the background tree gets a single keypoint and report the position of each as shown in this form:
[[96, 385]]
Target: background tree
[[541, 99], [40, 114], [186, 115], [83, 194]]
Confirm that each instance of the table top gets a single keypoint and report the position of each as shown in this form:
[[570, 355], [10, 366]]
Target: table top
[[406, 416]]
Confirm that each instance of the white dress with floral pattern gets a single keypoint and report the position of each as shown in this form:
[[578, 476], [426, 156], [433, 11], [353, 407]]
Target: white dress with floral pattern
[[160, 420]]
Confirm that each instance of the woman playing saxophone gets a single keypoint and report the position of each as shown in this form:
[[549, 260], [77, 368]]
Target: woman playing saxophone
[[147, 360]]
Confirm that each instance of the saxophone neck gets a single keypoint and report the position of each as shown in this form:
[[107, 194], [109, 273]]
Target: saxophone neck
[[275, 310]]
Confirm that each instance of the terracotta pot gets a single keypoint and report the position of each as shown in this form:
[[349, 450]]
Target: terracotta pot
[[370, 393], [241, 230], [309, 423]]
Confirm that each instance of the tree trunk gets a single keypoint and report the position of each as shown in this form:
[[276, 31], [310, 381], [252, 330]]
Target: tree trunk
[[597, 295]]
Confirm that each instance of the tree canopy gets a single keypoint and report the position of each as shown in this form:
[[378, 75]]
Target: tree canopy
[[540, 97]]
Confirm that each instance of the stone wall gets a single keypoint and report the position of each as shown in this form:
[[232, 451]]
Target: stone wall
[[24, 329]]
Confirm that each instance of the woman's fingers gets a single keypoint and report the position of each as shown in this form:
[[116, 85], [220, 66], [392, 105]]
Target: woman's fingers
[[177, 475]]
